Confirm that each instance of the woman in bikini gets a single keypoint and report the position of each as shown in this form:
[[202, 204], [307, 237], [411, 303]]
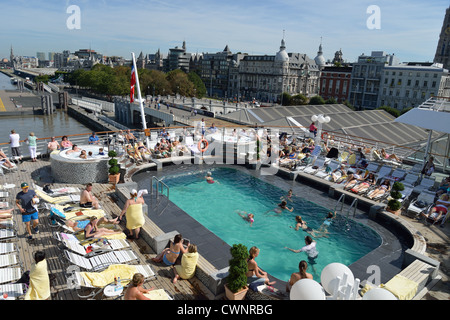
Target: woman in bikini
[[300, 224], [93, 231], [254, 273], [170, 255], [382, 189]]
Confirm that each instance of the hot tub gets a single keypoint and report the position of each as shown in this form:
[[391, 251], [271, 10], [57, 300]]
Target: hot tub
[[70, 168]]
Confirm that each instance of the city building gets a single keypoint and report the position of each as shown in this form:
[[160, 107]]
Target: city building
[[215, 71], [409, 85], [177, 58], [366, 78], [335, 82], [267, 77], [40, 55], [443, 48]]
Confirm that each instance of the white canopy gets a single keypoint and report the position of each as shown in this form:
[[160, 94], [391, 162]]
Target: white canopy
[[433, 115]]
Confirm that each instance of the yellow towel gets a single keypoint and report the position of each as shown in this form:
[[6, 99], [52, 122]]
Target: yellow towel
[[401, 287], [135, 217], [49, 199], [39, 288], [86, 213], [188, 263], [159, 294], [102, 279]]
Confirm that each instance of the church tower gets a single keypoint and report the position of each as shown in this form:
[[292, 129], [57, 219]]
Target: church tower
[[443, 49]]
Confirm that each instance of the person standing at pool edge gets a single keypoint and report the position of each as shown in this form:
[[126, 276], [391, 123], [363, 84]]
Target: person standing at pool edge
[[25, 201]]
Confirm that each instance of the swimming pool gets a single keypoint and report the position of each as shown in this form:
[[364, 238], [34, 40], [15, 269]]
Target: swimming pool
[[214, 206]]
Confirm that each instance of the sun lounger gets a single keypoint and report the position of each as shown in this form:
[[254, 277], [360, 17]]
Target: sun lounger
[[423, 201], [425, 184], [57, 200], [56, 192], [410, 179], [324, 172], [315, 166], [6, 234], [7, 247], [13, 290], [8, 275], [90, 248], [7, 260], [95, 284], [101, 261], [397, 175]]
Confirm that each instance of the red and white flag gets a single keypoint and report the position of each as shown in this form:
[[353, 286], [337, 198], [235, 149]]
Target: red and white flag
[[132, 83]]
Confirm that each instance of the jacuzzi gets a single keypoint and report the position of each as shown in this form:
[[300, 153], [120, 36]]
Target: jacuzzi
[[70, 168]]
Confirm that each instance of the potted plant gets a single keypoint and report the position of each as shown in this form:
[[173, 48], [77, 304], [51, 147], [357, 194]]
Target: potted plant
[[236, 286], [394, 205], [114, 168]]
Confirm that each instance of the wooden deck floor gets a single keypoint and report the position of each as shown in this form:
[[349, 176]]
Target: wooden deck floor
[[37, 172]]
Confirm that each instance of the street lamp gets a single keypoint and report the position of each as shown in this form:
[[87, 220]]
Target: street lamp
[[321, 119]]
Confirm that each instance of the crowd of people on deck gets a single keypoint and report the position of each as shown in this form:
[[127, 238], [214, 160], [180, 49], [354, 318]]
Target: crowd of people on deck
[[181, 255]]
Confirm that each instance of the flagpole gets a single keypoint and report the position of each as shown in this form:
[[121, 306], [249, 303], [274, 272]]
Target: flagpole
[[141, 105]]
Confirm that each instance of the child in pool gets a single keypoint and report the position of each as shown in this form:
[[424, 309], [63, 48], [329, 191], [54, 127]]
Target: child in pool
[[209, 177], [288, 196], [100, 152], [247, 216], [323, 229]]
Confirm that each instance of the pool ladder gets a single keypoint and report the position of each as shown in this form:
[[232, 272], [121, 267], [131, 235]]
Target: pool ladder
[[158, 192], [341, 202]]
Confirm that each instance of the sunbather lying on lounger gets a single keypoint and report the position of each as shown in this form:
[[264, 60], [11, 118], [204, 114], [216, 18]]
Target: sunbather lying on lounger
[[381, 190], [79, 225], [93, 231]]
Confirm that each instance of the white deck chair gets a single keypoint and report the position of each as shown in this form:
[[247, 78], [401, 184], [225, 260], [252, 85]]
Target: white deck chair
[[5, 168], [4, 194], [8, 275], [57, 200], [13, 290], [423, 201], [72, 243], [58, 191], [80, 282], [315, 166], [191, 145], [323, 173], [7, 260], [4, 204], [7, 247], [7, 234], [101, 261]]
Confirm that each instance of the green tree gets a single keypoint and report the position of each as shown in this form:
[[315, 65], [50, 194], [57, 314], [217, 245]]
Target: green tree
[[316, 100], [200, 88], [179, 83], [286, 99], [299, 99], [348, 104], [394, 112], [331, 101]]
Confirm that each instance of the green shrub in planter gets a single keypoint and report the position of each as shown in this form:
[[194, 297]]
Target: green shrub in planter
[[113, 163], [394, 204], [237, 273]]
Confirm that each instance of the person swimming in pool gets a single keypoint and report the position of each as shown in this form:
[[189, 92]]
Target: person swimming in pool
[[247, 216], [323, 229], [281, 207], [288, 196], [209, 177], [310, 250], [300, 224]]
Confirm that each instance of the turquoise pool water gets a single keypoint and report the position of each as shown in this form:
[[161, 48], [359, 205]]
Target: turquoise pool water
[[215, 208]]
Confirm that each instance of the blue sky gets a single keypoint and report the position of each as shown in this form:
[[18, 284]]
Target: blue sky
[[409, 28]]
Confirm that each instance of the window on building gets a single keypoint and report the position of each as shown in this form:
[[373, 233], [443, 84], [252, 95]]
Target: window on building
[[409, 83], [433, 85]]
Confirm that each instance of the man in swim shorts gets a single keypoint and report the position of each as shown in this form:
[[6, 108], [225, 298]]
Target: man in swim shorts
[[25, 201], [87, 199]]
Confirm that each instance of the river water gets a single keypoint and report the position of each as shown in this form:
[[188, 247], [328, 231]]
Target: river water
[[43, 126]]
